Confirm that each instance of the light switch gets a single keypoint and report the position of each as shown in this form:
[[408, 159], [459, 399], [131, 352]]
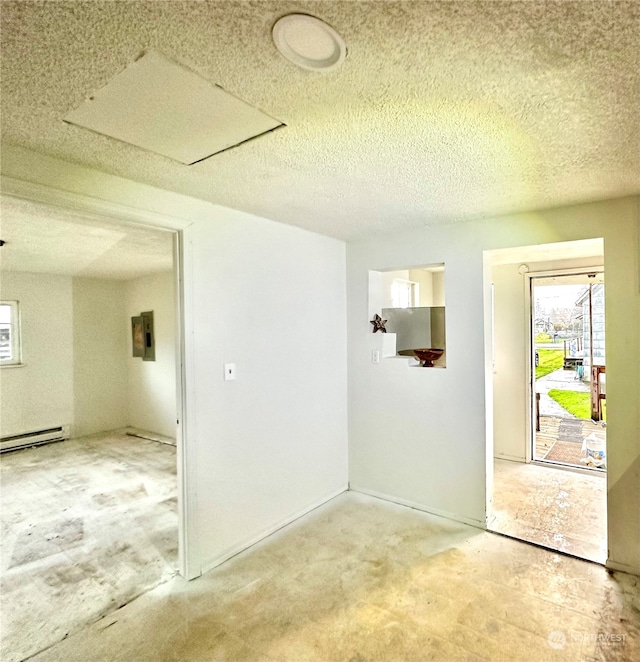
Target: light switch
[[375, 356], [229, 372]]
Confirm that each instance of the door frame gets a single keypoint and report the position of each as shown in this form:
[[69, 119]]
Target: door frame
[[90, 207], [530, 276]]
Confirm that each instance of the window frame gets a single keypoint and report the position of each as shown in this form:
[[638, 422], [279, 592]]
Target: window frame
[[411, 289], [15, 336]]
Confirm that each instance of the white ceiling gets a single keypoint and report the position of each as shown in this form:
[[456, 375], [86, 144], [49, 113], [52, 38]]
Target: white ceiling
[[43, 239], [441, 112]]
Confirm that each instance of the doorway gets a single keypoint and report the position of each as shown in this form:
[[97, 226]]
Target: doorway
[[108, 522], [569, 370], [542, 492]]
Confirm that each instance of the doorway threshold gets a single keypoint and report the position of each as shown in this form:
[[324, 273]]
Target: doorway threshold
[[548, 548], [569, 467]]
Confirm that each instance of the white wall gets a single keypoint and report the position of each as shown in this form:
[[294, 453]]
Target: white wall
[[421, 436], [74, 338], [152, 384], [510, 400], [509, 380], [425, 281], [39, 394], [99, 355], [417, 435], [438, 288], [271, 445]]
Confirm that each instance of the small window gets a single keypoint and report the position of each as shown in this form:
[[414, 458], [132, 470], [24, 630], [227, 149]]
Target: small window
[[9, 333], [405, 293]]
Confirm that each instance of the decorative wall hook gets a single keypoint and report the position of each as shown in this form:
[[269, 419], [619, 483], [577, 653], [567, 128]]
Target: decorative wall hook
[[378, 324]]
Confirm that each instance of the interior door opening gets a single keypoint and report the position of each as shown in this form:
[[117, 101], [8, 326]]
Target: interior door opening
[[108, 499]]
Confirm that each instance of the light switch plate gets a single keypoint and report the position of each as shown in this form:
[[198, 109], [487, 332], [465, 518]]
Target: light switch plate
[[229, 372]]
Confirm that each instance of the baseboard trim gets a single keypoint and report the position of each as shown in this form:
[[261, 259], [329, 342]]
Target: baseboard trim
[[622, 567], [241, 547], [478, 524]]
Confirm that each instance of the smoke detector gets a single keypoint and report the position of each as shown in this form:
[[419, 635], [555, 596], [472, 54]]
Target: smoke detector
[[309, 42]]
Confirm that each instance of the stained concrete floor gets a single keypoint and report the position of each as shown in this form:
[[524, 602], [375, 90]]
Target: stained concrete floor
[[363, 580], [87, 525], [561, 509]]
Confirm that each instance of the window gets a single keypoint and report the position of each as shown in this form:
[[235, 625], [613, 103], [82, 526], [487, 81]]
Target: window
[[9, 333], [405, 293]]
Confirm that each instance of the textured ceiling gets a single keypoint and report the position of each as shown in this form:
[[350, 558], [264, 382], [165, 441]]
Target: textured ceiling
[[564, 250], [441, 112], [43, 239]]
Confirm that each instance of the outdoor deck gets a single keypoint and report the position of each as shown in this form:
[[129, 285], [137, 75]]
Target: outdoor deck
[[560, 439]]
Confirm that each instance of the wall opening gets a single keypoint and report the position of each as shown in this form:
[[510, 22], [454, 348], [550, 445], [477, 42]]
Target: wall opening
[[110, 500], [564, 510], [411, 303]]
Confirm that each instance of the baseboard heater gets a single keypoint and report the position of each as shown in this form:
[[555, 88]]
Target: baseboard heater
[[35, 438]]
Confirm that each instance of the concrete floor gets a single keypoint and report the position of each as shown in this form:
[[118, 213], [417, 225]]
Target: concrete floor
[[87, 525], [560, 509], [362, 580]]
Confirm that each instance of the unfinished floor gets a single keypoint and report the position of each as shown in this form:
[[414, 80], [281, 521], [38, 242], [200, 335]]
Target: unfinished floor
[[361, 580], [562, 509], [87, 525]]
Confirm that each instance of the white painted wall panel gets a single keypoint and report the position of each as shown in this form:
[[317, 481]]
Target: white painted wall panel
[[39, 394], [74, 351], [99, 351], [417, 434], [152, 384], [271, 299], [509, 378]]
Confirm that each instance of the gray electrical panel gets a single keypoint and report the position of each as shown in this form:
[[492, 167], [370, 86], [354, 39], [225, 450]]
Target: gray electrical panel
[[142, 340]]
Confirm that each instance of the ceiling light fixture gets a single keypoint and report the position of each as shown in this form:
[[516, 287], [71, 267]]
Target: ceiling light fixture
[[309, 42]]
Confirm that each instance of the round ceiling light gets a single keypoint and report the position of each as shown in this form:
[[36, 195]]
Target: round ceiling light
[[309, 42]]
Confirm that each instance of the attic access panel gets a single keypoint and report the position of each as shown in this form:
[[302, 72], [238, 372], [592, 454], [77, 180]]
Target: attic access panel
[[161, 106]]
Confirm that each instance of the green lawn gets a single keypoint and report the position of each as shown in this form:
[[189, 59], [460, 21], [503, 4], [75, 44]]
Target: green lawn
[[550, 360], [576, 403]]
